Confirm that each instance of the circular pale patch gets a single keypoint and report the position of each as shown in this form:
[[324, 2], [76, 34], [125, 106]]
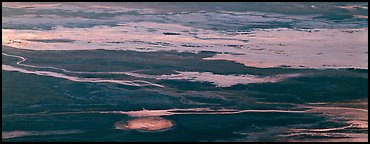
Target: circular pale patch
[[145, 123]]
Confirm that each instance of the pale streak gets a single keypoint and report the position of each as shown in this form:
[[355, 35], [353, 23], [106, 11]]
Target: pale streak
[[76, 79], [167, 112], [217, 79]]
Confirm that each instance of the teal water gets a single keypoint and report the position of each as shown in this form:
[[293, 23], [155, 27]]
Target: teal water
[[79, 95], [32, 94]]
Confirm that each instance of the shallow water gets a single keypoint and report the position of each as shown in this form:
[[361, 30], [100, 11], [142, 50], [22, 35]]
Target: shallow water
[[77, 88], [200, 110]]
